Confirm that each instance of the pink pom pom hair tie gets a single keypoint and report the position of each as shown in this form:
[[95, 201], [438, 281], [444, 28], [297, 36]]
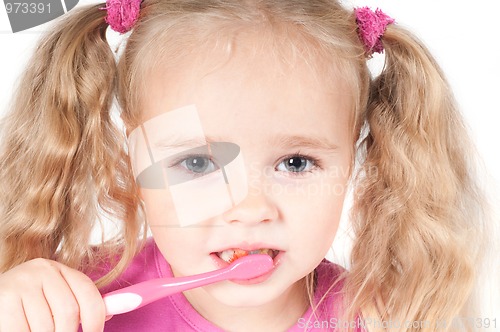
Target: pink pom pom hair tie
[[371, 28], [122, 14]]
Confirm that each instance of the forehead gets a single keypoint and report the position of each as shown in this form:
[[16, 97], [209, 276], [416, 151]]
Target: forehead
[[253, 78], [244, 67]]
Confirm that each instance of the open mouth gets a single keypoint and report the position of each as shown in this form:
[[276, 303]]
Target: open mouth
[[230, 255]]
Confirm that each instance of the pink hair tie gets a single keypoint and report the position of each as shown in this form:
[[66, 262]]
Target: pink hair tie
[[122, 14], [371, 28]]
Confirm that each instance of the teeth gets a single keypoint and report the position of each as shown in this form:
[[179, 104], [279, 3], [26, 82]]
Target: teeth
[[226, 255], [231, 255]]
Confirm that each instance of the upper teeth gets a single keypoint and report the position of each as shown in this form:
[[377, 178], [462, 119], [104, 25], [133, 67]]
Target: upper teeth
[[231, 255]]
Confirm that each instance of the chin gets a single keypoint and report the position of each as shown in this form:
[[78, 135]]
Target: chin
[[237, 295]]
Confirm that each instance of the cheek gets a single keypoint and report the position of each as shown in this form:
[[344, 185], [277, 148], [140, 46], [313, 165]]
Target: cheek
[[177, 244], [161, 217], [159, 207], [320, 219], [315, 212], [332, 205], [317, 238]]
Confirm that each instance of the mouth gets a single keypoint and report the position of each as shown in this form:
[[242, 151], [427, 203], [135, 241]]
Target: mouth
[[230, 255]]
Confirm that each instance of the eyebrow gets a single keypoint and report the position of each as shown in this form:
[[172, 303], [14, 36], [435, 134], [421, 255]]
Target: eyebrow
[[281, 141], [186, 143], [299, 141]]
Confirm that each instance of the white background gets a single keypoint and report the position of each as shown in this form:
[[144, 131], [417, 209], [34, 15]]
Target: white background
[[462, 35]]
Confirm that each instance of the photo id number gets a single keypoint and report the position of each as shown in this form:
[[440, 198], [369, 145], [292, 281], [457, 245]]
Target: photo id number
[[27, 7]]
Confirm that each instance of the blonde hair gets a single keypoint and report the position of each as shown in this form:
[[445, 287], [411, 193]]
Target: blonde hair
[[417, 218], [62, 158]]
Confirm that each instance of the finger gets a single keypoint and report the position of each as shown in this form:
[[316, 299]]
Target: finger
[[37, 311], [91, 304], [12, 317], [62, 302]]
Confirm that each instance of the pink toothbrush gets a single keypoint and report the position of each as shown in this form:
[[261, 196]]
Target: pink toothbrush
[[136, 296]]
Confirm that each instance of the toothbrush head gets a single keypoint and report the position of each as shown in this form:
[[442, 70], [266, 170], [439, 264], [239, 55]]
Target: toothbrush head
[[251, 266]]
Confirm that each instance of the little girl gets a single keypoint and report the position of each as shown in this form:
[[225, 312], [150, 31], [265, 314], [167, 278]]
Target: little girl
[[245, 123]]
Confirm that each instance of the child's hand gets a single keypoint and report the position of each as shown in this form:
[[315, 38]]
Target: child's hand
[[44, 295]]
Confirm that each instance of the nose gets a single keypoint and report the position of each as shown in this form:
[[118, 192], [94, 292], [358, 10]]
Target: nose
[[255, 208]]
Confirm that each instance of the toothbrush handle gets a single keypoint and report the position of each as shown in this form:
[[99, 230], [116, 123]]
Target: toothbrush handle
[[139, 295]]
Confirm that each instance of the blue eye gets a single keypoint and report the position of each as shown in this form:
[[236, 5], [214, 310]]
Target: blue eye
[[199, 165], [297, 164], [188, 165]]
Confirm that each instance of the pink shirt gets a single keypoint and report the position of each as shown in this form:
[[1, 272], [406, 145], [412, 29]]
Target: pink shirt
[[175, 313]]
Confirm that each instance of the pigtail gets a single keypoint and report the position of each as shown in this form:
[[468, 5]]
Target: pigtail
[[62, 160], [417, 214]]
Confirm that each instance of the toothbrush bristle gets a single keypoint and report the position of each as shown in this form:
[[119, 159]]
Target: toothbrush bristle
[[238, 253]]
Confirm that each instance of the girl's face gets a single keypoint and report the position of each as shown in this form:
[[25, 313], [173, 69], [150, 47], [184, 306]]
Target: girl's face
[[291, 125]]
